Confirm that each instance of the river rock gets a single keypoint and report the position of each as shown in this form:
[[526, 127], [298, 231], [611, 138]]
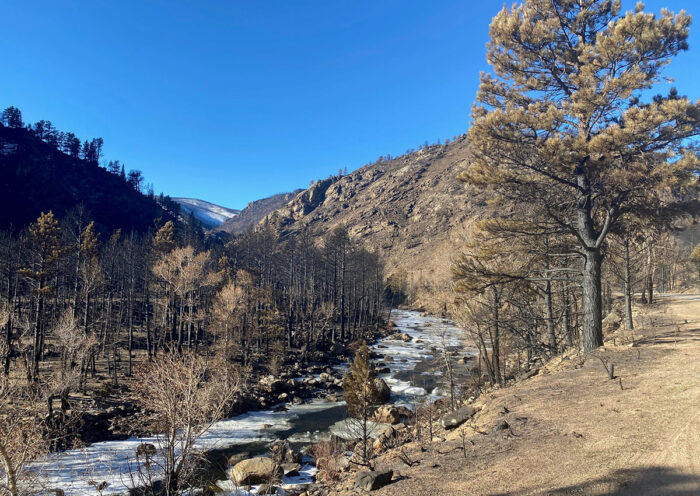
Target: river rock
[[457, 418], [612, 322], [237, 457], [291, 469], [258, 470], [272, 385], [391, 414], [401, 336], [281, 452], [383, 391], [370, 481]]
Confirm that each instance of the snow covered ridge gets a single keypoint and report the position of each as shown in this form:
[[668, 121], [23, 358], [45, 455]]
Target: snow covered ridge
[[209, 214]]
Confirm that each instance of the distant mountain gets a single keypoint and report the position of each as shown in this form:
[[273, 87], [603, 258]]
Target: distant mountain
[[255, 211], [209, 214], [36, 177]]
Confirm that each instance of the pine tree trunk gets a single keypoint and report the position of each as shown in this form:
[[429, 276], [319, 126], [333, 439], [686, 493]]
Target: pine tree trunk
[[495, 338], [549, 317], [592, 300], [567, 313], [629, 324]]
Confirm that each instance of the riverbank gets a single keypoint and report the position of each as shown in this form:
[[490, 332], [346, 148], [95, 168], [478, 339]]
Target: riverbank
[[408, 365], [570, 429]]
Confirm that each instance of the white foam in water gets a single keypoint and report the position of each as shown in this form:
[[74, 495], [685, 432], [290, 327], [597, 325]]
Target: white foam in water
[[111, 461]]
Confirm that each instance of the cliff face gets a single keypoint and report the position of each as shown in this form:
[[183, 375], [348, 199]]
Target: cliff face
[[407, 208]]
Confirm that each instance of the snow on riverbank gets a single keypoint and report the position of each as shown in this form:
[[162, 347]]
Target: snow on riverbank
[[112, 461]]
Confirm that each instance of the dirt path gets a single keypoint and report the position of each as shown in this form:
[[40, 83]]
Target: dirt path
[[574, 431]]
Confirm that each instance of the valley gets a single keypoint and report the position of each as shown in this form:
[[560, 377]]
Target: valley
[[509, 308]]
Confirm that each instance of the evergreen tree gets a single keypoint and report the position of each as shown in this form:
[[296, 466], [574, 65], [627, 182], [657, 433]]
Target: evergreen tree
[[361, 396], [12, 117], [44, 241], [135, 178], [85, 151], [559, 125], [71, 145]]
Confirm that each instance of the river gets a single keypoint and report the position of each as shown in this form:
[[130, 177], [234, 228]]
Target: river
[[415, 373]]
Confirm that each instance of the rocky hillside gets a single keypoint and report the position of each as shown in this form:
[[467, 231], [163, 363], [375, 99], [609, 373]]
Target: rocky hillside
[[255, 211], [407, 208]]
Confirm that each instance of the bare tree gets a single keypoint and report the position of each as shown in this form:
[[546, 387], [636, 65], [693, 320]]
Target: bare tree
[[21, 439], [183, 395]]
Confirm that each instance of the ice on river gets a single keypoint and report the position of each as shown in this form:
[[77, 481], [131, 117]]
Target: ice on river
[[426, 339], [112, 461]]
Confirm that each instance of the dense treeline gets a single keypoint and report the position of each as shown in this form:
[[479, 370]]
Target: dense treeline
[[38, 177], [67, 142], [68, 295]]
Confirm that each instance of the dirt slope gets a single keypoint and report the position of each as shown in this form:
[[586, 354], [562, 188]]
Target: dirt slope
[[574, 431]]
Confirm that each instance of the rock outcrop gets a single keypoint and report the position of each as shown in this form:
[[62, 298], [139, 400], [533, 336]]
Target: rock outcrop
[[407, 208]]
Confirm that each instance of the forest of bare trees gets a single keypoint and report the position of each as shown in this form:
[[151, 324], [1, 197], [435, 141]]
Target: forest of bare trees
[[82, 313]]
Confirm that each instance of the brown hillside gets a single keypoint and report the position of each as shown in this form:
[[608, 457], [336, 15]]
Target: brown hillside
[[406, 208], [571, 430]]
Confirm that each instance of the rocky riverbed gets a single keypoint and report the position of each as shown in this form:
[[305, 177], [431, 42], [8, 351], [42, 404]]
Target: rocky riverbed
[[410, 362]]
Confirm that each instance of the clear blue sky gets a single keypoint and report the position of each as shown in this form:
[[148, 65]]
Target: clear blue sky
[[232, 100]]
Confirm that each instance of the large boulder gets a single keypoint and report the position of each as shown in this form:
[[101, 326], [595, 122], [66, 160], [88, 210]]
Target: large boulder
[[458, 417], [253, 471], [270, 384], [392, 414], [401, 336], [383, 391], [370, 481]]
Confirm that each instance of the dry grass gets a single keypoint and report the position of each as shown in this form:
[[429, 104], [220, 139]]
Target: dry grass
[[574, 431]]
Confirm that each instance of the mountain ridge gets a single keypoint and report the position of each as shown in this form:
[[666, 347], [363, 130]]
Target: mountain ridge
[[36, 177], [410, 209]]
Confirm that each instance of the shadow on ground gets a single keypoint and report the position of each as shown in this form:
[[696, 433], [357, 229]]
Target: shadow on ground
[[645, 481]]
